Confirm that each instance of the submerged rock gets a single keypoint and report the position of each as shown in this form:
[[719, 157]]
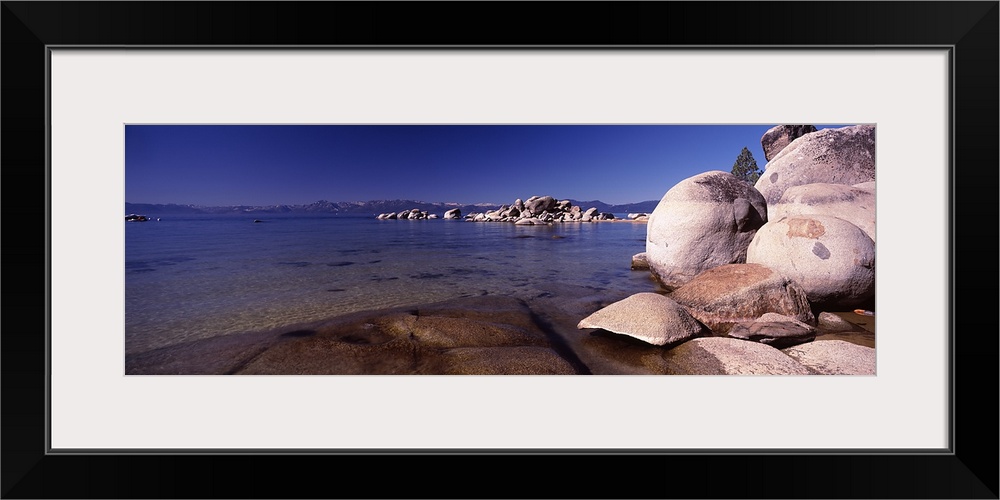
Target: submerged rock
[[518, 360], [475, 335]]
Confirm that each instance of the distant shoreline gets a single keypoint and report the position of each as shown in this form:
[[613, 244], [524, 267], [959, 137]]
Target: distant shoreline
[[363, 207]]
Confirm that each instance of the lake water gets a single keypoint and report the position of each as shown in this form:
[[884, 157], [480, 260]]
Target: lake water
[[198, 276]]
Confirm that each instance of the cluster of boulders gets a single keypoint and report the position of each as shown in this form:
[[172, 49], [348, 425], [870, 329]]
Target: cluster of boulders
[[534, 210], [761, 262], [540, 210], [412, 214]]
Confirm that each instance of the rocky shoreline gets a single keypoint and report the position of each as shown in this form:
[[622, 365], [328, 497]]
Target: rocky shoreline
[[498, 335], [776, 277], [764, 263]]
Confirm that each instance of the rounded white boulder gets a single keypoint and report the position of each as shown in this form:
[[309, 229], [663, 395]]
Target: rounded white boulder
[[704, 221], [831, 259]]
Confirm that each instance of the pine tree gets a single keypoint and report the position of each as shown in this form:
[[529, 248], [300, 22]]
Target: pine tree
[[746, 167]]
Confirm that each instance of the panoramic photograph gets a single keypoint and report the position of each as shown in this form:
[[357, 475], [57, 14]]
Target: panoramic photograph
[[549, 249]]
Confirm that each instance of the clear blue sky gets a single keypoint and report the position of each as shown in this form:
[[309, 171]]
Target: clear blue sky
[[300, 164]]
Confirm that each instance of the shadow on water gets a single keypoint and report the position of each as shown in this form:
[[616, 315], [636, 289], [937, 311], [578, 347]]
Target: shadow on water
[[559, 344]]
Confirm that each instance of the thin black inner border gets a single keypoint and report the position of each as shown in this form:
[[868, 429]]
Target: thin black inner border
[[950, 244]]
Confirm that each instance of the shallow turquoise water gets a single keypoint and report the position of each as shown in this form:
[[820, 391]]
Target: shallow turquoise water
[[190, 277]]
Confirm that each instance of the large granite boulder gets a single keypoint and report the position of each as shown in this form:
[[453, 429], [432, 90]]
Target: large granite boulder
[[726, 356], [855, 204], [704, 221], [830, 258], [739, 293], [538, 204], [647, 316], [496, 214], [835, 156], [834, 357], [775, 139], [453, 214]]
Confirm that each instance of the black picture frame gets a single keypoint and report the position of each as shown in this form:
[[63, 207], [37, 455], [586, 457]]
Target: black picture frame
[[970, 470]]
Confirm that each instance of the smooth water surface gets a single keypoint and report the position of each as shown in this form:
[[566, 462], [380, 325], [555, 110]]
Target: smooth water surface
[[193, 276]]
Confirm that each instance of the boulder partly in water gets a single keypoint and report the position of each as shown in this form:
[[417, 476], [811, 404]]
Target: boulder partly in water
[[647, 316]]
